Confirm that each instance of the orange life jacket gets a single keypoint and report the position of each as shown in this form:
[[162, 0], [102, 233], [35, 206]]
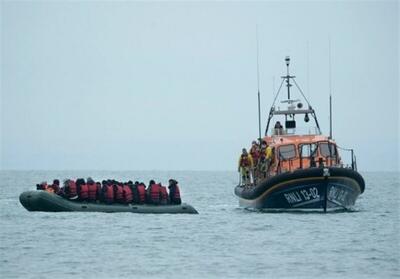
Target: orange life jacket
[[84, 192], [49, 189], [72, 190], [128, 197], [108, 192], [142, 193], [155, 193], [92, 192]]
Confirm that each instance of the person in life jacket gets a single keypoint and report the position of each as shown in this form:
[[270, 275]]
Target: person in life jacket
[[255, 152], [127, 193], [83, 189], [265, 159], [99, 192], [245, 167], [118, 192], [42, 186], [164, 199], [107, 192], [174, 192], [135, 192], [55, 186], [69, 190], [141, 189], [153, 193], [92, 189]]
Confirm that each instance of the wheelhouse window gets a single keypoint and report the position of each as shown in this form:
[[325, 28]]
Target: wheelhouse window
[[287, 152], [308, 150], [327, 149]]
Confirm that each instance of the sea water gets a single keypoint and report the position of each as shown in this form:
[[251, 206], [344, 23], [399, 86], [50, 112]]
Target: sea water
[[222, 241]]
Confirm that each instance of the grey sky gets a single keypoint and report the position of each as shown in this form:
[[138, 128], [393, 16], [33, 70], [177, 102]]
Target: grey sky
[[172, 86]]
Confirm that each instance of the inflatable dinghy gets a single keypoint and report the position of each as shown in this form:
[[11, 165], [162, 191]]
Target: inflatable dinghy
[[44, 201]]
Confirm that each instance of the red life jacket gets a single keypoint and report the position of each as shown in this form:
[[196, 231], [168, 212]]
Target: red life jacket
[[128, 197], [92, 192], [163, 195], [254, 153], [84, 192], [72, 190], [118, 193], [108, 193], [155, 193], [244, 161], [142, 193]]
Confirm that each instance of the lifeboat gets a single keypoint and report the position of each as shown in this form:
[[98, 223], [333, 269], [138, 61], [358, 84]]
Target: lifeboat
[[305, 169], [50, 202]]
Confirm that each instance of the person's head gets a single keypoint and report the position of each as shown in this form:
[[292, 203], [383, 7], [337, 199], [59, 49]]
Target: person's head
[[172, 182], [90, 180], [137, 183], [244, 151], [151, 182], [254, 143], [56, 182]]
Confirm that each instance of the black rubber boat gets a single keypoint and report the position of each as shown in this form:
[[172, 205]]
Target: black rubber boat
[[44, 201], [313, 188], [297, 168]]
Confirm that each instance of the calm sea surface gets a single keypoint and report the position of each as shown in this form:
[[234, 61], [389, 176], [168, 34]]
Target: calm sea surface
[[222, 241]]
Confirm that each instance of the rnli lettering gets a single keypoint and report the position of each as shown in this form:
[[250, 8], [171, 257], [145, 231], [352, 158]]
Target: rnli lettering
[[302, 195], [337, 194]]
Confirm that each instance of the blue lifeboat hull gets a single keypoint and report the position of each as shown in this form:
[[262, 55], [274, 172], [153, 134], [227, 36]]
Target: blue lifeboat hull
[[314, 188]]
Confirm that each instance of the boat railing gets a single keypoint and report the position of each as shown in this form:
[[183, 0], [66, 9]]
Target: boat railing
[[295, 131], [353, 157]]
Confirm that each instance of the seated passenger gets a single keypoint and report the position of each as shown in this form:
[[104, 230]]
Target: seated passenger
[[70, 190], [98, 194], [55, 186], [174, 192], [108, 192], [118, 193], [141, 188], [83, 190], [153, 193], [163, 195], [41, 186], [92, 189], [134, 189], [127, 194]]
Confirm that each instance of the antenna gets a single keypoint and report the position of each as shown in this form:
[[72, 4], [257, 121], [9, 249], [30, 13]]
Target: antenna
[[258, 88], [308, 68], [330, 91]]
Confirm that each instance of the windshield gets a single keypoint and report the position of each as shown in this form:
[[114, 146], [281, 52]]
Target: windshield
[[287, 152], [327, 149], [307, 150]]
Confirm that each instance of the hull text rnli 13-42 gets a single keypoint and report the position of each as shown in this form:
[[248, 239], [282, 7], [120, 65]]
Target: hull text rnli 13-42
[[288, 169]]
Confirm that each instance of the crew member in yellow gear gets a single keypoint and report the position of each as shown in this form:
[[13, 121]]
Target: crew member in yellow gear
[[265, 159], [245, 166]]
